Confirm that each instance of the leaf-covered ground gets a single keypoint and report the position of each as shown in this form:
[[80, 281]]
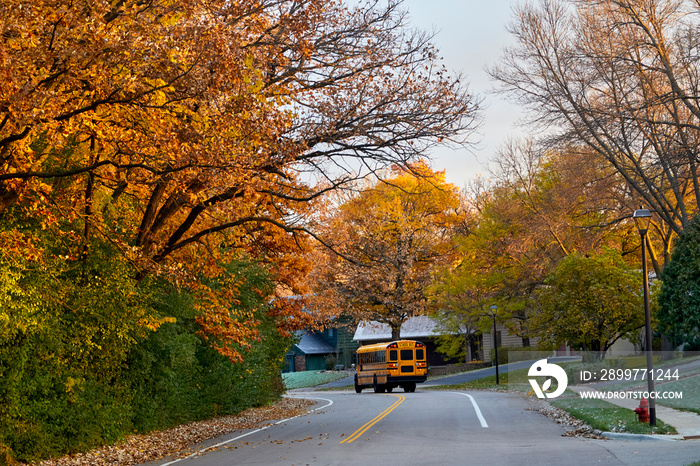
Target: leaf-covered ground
[[179, 441]]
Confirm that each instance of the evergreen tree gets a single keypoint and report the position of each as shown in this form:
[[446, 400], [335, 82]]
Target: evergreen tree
[[679, 312]]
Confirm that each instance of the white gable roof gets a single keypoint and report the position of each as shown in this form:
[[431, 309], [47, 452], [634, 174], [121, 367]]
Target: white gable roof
[[313, 344], [413, 327]]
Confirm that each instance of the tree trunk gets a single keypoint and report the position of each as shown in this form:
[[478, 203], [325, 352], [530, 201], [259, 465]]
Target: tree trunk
[[395, 332]]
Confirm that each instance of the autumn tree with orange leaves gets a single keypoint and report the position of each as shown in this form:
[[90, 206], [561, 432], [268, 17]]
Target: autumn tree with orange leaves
[[149, 148], [390, 239], [179, 131]]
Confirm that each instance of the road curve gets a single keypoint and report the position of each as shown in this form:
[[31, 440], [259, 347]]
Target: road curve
[[425, 427]]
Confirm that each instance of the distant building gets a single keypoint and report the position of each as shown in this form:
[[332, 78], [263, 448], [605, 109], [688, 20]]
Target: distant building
[[421, 328], [503, 338], [426, 330], [310, 353], [318, 349], [335, 347]]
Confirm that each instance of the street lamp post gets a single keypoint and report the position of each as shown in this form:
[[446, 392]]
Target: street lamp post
[[642, 217], [495, 340]]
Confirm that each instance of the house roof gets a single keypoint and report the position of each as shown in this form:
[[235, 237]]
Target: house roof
[[413, 327], [313, 344]]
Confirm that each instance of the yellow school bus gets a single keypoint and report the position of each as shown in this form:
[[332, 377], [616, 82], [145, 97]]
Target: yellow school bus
[[385, 366]]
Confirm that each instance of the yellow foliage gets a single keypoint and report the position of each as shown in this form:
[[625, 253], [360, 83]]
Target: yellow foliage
[[153, 323]]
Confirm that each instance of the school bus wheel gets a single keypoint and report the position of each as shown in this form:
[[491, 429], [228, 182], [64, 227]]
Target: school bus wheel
[[377, 388]]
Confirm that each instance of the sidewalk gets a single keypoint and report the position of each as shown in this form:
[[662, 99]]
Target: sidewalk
[[686, 423]]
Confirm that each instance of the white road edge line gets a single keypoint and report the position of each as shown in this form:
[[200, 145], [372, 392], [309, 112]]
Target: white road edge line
[[330, 402], [476, 408]]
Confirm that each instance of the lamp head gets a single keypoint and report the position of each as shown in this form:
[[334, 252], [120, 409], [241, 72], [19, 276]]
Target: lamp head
[[642, 217]]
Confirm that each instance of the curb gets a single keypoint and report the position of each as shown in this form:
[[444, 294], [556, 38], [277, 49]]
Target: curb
[[640, 437]]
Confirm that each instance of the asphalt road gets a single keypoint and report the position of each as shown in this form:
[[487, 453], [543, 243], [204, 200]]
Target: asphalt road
[[462, 377], [426, 427]]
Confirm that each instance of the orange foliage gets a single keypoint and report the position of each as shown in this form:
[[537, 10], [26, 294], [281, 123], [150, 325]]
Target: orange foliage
[[392, 237], [178, 130]]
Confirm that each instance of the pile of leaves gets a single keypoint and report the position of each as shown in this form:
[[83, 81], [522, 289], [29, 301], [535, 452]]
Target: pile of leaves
[[574, 427], [179, 441]]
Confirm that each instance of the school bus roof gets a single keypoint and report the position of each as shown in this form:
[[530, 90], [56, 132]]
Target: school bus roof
[[399, 344]]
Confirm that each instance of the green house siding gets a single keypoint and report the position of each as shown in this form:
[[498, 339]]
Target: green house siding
[[346, 348], [315, 362], [310, 353]]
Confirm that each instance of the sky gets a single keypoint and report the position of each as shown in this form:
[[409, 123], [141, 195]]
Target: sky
[[471, 35]]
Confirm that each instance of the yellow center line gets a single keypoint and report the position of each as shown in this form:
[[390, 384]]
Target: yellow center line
[[381, 416]]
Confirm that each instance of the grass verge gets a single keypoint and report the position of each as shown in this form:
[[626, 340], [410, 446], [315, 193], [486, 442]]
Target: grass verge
[[310, 378], [488, 383], [689, 387], [608, 417]]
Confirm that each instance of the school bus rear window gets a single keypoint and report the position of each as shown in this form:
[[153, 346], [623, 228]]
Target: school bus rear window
[[406, 354]]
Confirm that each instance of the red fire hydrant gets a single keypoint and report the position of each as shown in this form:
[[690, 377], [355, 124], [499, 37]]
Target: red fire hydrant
[[643, 410]]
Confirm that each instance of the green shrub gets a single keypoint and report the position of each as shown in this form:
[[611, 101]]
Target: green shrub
[[80, 371], [177, 377], [65, 335], [330, 362]]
